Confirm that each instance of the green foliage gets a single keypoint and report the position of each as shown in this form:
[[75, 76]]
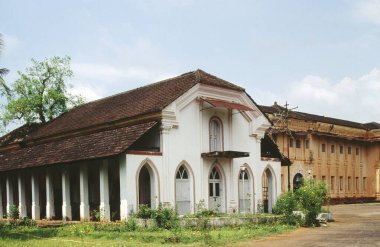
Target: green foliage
[[3, 71], [308, 199], [40, 94], [166, 218], [311, 196], [13, 213], [145, 212], [27, 222]]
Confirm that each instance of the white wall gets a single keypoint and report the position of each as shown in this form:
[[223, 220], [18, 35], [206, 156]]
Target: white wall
[[186, 136]]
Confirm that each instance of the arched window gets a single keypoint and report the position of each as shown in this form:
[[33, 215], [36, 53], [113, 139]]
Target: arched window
[[183, 192], [216, 195], [216, 135], [244, 191]]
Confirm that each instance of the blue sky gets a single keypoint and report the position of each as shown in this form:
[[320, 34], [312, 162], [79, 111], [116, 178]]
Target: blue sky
[[322, 56]]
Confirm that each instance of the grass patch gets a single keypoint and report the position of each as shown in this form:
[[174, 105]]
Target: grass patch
[[94, 234]]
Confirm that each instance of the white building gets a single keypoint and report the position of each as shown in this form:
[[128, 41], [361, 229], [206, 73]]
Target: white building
[[187, 139]]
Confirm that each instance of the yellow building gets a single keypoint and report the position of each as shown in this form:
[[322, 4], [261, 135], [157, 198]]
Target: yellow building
[[344, 154]]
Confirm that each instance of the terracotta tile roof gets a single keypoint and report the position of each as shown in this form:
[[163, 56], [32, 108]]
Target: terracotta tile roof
[[96, 145], [317, 118], [151, 98], [38, 145]]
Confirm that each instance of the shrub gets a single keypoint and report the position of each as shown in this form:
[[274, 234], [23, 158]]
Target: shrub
[[311, 196], [27, 222], [166, 217], [145, 212], [13, 213], [307, 198]]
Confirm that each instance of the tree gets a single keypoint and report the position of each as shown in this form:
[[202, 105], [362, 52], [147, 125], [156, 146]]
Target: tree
[[40, 94], [3, 71]]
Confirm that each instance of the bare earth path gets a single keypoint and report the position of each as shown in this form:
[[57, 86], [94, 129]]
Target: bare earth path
[[355, 225]]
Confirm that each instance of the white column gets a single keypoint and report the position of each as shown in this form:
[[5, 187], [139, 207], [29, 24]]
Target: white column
[[21, 197], [83, 184], [35, 198], [166, 180], [50, 213], [123, 187], [9, 186], [104, 191], [1, 202], [66, 202]]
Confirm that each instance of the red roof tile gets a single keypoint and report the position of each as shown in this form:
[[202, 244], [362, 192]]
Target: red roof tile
[[143, 100], [96, 145]]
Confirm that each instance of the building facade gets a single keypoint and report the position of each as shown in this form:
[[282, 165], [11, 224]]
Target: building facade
[[190, 139], [343, 154]]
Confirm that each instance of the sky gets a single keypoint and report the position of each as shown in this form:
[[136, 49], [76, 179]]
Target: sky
[[320, 56]]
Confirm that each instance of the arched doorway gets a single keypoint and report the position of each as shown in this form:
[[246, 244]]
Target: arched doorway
[[297, 181], [268, 187], [146, 186], [245, 191], [216, 193], [182, 192]]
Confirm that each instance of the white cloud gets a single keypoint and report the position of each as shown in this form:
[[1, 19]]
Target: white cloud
[[350, 98], [368, 10], [11, 44], [125, 65]]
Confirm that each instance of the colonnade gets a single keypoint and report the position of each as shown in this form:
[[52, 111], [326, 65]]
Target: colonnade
[[28, 188]]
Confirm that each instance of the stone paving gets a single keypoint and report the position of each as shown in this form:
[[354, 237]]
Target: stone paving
[[355, 225]]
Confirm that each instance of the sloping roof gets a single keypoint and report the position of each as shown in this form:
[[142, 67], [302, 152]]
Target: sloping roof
[[317, 118], [96, 145], [151, 98], [76, 135]]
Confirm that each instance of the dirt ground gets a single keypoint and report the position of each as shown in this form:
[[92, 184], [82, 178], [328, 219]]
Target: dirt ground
[[355, 225]]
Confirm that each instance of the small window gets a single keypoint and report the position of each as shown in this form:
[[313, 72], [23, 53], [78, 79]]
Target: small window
[[349, 184], [332, 149], [357, 151], [340, 183], [298, 143], [356, 184], [323, 147], [349, 150], [341, 149], [217, 191], [290, 142], [307, 144], [332, 183], [324, 179], [364, 183]]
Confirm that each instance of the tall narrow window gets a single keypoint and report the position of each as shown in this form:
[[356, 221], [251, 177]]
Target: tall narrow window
[[340, 183], [349, 184], [307, 144], [357, 151], [341, 149], [364, 183], [349, 150], [290, 142], [323, 147], [356, 184], [332, 149], [298, 143], [332, 183], [216, 135]]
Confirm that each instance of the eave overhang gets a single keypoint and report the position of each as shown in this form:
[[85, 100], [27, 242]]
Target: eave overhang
[[225, 154]]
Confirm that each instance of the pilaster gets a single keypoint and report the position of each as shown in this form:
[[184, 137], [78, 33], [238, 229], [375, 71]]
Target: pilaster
[[21, 197]]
